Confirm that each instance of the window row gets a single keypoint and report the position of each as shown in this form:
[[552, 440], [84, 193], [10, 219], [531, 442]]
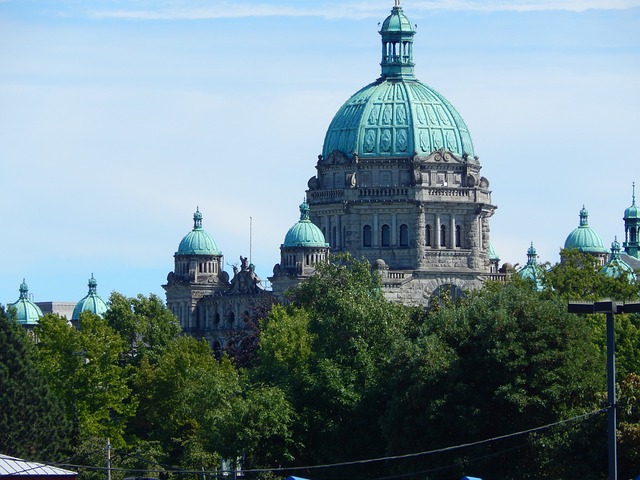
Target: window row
[[431, 240]]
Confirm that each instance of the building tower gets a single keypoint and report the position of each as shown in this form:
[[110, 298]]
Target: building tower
[[198, 272], [27, 312], [632, 228], [398, 182], [90, 303], [586, 240], [304, 246]]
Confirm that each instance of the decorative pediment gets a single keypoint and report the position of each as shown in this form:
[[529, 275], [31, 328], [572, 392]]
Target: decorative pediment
[[443, 156]]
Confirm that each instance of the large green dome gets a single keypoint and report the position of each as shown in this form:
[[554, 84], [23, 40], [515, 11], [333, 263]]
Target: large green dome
[[397, 116], [304, 233], [584, 238], [197, 241], [27, 312], [91, 302]]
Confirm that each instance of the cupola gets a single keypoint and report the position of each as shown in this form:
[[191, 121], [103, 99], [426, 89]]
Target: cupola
[[532, 270], [616, 267], [304, 233], [91, 302], [27, 312], [584, 238], [197, 241], [632, 228]]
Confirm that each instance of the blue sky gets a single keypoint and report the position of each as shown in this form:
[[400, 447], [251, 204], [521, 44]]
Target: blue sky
[[119, 117]]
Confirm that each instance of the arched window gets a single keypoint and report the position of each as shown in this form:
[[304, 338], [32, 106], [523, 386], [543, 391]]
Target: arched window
[[443, 235], [427, 236], [404, 235], [334, 237], [458, 236], [385, 236], [231, 318], [366, 236], [216, 318]]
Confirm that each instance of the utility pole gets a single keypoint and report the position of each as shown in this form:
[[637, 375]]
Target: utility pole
[[108, 458], [609, 308]]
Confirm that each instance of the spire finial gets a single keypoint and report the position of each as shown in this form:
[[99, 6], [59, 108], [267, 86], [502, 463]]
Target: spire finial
[[633, 186], [397, 3]]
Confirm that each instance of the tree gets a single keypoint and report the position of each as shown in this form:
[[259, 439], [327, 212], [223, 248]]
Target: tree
[[146, 325], [505, 359], [340, 358], [83, 369], [33, 423], [579, 277]]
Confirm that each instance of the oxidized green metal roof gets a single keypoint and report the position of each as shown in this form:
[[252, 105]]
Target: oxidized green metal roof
[[91, 302], [532, 270], [493, 256], [617, 267], [632, 213], [197, 241], [28, 313], [397, 116], [584, 238], [304, 233]]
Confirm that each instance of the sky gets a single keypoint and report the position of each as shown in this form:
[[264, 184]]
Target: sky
[[118, 118]]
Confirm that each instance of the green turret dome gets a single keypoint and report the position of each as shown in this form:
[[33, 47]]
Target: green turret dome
[[91, 302], [304, 233], [632, 213], [397, 116], [493, 256], [617, 267], [532, 270], [197, 241], [28, 313], [584, 238]]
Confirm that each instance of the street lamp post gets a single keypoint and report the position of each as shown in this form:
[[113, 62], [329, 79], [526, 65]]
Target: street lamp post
[[609, 308]]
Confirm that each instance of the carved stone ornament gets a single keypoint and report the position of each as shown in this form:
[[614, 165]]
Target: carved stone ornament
[[313, 183], [336, 158], [443, 155], [351, 180]]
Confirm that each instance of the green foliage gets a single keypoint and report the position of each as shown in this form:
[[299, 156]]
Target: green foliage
[[33, 424], [83, 368], [145, 324], [503, 360], [578, 277]]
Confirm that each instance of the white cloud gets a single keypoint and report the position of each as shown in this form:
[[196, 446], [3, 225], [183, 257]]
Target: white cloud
[[360, 10]]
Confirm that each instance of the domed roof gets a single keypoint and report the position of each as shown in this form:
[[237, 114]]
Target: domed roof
[[28, 313], [616, 267], [304, 233], [91, 302], [197, 241], [397, 116], [632, 213], [532, 270], [584, 238]]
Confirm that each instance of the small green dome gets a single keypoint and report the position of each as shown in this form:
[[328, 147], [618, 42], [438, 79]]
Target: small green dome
[[617, 267], [632, 213], [584, 238], [532, 270], [397, 115], [397, 22], [304, 233], [28, 313], [197, 241], [91, 302]]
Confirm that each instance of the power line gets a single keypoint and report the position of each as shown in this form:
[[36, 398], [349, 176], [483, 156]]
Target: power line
[[356, 462]]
